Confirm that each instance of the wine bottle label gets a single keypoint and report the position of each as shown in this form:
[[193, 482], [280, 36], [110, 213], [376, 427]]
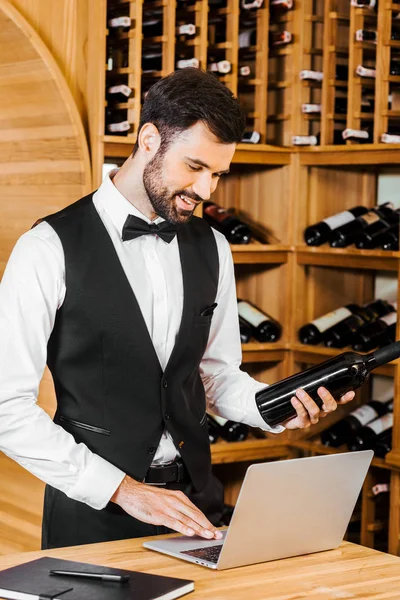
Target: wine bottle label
[[378, 488], [223, 66], [355, 133], [288, 4], [281, 38], [251, 137], [110, 63], [340, 219], [365, 71], [125, 90], [187, 29], [189, 62], [220, 420], [314, 75], [310, 108], [304, 140], [382, 424], [245, 38], [120, 22], [329, 320], [122, 126], [390, 318], [251, 314], [388, 138], [361, 4], [365, 414], [363, 35], [244, 71], [370, 218]]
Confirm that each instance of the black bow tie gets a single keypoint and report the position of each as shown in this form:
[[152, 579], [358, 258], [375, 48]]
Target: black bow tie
[[135, 227]]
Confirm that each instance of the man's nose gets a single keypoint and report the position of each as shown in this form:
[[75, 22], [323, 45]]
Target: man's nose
[[203, 186]]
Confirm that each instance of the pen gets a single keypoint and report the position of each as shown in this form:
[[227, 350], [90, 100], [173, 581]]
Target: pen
[[94, 576]]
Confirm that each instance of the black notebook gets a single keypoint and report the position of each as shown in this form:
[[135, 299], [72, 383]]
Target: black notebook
[[32, 581]]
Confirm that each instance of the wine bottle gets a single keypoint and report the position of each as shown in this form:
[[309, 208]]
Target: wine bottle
[[308, 108], [213, 430], [151, 61], [309, 75], [188, 62], [394, 68], [343, 431], [314, 332], [250, 4], [370, 237], [230, 430], [366, 71], [347, 234], [264, 327], [321, 232], [116, 122], [235, 231], [342, 334], [383, 445], [281, 4], [372, 4], [345, 372], [244, 71], [247, 38], [389, 240], [375, 334], [118, 93], [380, 488], [304, 140], [280, 38], [362, 136], [366, 35], [246, 331], [366, 437], [222, 67], [110, 57], [123, 22], [251, 137]]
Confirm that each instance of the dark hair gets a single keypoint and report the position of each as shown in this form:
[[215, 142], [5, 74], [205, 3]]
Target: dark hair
[[188, 96]]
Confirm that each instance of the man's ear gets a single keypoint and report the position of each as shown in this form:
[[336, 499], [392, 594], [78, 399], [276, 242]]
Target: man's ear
[[149, 139]]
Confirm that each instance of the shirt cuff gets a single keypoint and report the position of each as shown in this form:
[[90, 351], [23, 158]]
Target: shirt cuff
[[97, 483], [256, 418]]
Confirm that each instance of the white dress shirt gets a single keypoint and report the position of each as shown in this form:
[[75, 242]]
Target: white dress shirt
[[33, 288]]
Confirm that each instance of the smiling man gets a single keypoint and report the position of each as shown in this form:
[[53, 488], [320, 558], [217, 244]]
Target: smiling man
[[131, 301]]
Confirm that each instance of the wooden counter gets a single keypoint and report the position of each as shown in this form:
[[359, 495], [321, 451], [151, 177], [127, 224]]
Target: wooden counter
[[351, 571]]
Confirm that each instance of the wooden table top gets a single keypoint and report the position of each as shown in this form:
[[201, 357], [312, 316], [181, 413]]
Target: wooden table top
[[349, 572]]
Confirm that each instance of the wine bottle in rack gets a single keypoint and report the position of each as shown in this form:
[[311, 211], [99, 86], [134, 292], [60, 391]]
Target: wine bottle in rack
[[231, 431], [118, 93], [369, 238], [394, 68], [264, 327], [247, 38], [380, 488], [244, 70], [214, 430], [347, 234], [315, 332], [251, 137], [345, 372], [383, 444], [110, 57], [246, 331], [343, 333], [251, 4], [366, 35], [116, 122], [151, 61], [152, 27], [235, 231], [314, 140], [362, 136], [221, 67], [366, 437], [368, 72], [281, 4], [183, 63], [308, 108], [309, 75], [378, 333], [321, 232], [122, 23], [344, 430], [389, 240], [279, 38], [373, 5]]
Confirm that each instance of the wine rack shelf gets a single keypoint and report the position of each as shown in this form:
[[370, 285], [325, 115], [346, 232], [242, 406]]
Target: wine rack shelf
[[248, 450], [303, 353], [260, 254], [348, 258], [360, 154], [254, 352]]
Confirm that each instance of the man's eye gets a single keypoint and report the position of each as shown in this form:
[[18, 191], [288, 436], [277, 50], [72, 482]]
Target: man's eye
[[194, 168]]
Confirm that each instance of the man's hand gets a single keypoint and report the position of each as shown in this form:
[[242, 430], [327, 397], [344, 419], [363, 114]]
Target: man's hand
[[159, 506], [308, 412]]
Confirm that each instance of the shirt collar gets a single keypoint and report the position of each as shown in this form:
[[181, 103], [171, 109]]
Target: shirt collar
[[116, 205]]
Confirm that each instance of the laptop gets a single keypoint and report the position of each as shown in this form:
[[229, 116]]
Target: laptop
[[285, 508]]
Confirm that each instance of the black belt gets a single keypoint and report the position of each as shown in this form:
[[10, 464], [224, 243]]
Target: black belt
[[174, 472]]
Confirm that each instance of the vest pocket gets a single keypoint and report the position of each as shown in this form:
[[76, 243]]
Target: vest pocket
[[86, 426], [203, 419], [203, 320]]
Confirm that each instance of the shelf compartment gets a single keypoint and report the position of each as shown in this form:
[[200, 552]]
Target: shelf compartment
[[348, 258], [248, 450], [304, 353], [256, 352], [356, 154], [256, 252], [317, 448]]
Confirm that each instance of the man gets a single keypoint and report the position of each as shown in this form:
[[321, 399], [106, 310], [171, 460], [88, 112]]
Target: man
[[131, 301]]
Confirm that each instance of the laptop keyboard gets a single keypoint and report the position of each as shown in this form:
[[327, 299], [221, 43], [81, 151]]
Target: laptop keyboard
[[210, 553]]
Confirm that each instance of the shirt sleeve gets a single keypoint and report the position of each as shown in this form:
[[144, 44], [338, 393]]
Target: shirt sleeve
[[230, 391], [31, 291]]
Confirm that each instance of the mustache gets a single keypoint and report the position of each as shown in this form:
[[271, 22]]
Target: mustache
[[194, 197]]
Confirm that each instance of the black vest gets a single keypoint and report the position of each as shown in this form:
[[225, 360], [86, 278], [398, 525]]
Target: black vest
[[112, 393]]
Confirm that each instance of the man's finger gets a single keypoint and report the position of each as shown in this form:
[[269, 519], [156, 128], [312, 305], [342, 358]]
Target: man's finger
[[347, 397], [310, 406], [302, 414]]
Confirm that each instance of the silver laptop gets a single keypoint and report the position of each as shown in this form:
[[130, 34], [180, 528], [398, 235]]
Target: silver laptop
[[285, 508]]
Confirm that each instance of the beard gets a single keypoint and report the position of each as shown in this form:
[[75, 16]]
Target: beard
[[161, 198]]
